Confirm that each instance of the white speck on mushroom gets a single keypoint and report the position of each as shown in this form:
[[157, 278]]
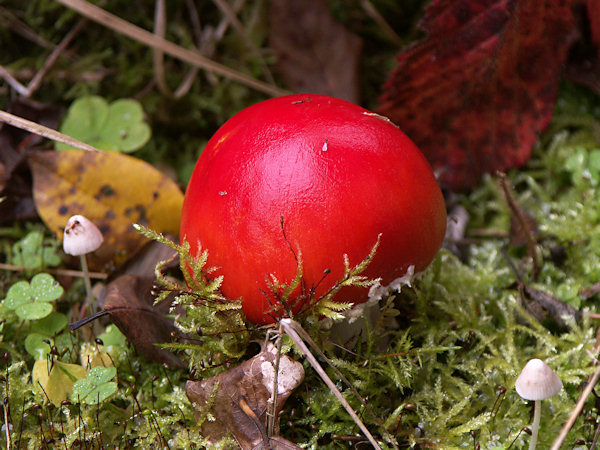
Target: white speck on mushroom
[[222, 192], [324, 148]]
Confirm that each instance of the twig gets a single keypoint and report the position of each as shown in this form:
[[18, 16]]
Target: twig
[[518, 214], [160, 22], [63, 272], [43, 131], [58, 50], [228, 11], [122, 26], [576, 411], [288, 325], [13, 82], [376, 16]]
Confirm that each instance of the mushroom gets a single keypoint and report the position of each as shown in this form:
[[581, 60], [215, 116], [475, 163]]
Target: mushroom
[[537, 382], [81, 237], [308, 179]]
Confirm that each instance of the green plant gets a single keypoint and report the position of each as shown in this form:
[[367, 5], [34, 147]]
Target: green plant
[[119, 126], [32, 300]]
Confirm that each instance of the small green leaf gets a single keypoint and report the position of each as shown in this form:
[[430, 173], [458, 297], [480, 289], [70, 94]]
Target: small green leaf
[[36, 347], [96, 386], [119, 126], [50, 325], [33, 253], [112, 336], [34, 311], [30, 301], [44, 288]]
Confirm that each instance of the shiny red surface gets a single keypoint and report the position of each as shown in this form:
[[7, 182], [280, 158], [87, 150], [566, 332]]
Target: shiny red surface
[[337, 174]]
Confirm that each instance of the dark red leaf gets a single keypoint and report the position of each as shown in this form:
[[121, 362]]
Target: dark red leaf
[[593, 12], [477, 91]]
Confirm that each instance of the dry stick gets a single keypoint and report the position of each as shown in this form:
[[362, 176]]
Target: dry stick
[[139, 34], [43, 131], [288, 326], [516, 212], [39, 76], [576, 411], [61, 272], [13, 82], [228, 11], [160, 27]]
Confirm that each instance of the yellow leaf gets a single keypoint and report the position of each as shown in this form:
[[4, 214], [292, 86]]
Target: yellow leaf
[[56, 380], [113, 190]]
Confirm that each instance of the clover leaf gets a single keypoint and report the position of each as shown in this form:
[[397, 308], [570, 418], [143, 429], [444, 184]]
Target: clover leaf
[[96, 386], [33, 253], [119, 126], [43, 331], [32, 301]]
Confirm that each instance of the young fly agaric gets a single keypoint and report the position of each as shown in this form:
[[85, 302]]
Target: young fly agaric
[[537, 382], [82, 236], [314, 178]]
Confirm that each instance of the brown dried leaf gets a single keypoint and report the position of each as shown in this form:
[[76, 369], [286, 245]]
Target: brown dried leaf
[[242, 396], [113, 190], [315, 54], [15, 184], [129, 303]]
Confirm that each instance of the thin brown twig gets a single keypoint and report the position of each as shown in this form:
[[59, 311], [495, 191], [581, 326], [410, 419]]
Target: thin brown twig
[[160, 26], [36, 81], [147, 38], [62, 272], [43, 131], [576, 411], [518, 214]]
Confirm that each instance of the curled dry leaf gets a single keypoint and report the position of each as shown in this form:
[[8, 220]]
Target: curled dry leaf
[[111, 189], [242, 399], [477, 91], [130, 304], [315, 54]]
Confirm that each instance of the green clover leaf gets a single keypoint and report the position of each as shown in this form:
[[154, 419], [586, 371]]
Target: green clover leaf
[[96, 386], [119, 126], [43, 331], [31, 301], [33, 253]]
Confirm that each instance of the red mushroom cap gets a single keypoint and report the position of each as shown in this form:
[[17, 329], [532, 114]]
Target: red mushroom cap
[[337, 174]]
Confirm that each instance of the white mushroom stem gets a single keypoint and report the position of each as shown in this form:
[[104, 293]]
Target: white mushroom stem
[[86, 277], [535, 428]]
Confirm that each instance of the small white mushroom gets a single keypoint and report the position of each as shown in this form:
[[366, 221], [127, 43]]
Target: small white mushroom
[[81, 237], [537, 382]]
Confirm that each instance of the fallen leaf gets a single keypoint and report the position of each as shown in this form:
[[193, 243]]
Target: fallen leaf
[[477, 91], [15, 183], [593, 13], [113, 190], [56, 379], [544, 306], [239, 405], [129, 302], [315, 54]]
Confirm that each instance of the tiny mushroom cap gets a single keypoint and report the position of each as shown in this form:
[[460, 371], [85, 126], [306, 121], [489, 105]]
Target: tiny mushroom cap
[[81, 236], [537, 381]]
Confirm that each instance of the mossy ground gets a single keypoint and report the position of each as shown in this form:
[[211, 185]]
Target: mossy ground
[[444, 378]]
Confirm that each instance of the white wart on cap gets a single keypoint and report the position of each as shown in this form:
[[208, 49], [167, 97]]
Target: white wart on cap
[[537, 381], [81, 236]]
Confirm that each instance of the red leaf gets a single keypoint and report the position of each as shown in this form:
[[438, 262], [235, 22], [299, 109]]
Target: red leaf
[[475, 93], [593, 12]]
